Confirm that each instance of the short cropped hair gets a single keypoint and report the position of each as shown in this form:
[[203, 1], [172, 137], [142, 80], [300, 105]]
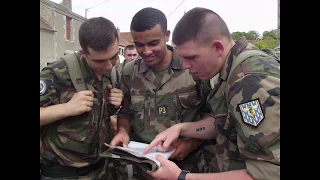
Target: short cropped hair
[[201, 25], [148, 18], [129, 47], [98, 33]]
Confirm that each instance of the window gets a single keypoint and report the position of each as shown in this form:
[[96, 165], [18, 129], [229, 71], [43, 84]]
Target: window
[[68, 28], [121, 51]]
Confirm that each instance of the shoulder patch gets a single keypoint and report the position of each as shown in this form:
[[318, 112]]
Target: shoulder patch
[[251, 112], [43, 87]]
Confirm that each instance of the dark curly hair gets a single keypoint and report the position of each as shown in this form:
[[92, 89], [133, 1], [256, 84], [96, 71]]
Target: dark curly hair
[[148, 18]]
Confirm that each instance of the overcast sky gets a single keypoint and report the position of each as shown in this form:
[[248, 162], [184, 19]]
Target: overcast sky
[[240, 15]]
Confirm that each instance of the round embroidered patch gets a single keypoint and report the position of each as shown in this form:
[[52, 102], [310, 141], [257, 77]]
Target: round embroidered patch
[[43, 87]]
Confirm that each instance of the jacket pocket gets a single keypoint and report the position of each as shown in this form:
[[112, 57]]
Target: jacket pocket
[[188, 101], [76, 133], [137, 106]]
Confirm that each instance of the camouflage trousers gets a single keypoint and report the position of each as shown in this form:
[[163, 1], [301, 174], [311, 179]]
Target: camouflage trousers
[[122, 171], [103, 173], [119, 170], [94, 175], [209, 152]]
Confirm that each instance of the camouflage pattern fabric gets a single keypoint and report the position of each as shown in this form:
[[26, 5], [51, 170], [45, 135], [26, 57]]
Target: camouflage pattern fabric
[[209, 146], [277, 51], [193, 162], [121, 66], [273, 52], [112, 170], [248, 123], [94, 175], [117, 170], [209, 152], [74, 141], [152, 109]]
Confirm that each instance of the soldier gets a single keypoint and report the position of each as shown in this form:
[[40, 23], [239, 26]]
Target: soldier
[[244, 101], [130, 54], [75, 125], [158, 92]]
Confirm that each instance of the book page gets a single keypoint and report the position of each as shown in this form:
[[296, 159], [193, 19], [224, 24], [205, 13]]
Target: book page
[[137, 148]]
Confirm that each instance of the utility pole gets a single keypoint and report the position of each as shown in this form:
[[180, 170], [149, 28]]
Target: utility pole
[[87, 9]]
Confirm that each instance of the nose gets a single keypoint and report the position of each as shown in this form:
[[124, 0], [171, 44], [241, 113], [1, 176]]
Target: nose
[[185, 64], [109, 65], [147, 51], [133, 57]]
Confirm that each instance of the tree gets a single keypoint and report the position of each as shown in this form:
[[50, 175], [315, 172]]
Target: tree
[[236, 35], [266, 44], [254, 34], [270, 35], [251, 35], [268, 39]]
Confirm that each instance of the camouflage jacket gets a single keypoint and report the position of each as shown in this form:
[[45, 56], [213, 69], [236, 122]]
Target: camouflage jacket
[[121, 66], [248, 123], [277, 50], [152, 110], [77, 140]]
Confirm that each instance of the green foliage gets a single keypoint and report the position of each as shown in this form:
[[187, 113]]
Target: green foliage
[[254, 35], [268, 39], [251, 35], [268, 35], [237, 35], [266, 44]]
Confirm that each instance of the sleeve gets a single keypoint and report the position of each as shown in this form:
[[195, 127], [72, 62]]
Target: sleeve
[[125, 110], [48, 91], [53, 79], [204, 90], [255, 105]]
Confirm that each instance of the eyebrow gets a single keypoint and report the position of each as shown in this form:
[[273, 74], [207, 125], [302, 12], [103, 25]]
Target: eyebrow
[[156, 40], [190, 57], [104, 59]]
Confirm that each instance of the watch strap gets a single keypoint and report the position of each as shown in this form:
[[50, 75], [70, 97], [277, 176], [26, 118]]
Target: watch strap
[[182, 175]]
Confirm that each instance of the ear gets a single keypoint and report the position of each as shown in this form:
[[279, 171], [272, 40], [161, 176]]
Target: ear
[[219, 47], [167, 35], [83, 54]]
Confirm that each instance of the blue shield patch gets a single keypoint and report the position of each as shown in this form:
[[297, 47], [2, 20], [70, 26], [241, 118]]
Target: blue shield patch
[[251, 112]]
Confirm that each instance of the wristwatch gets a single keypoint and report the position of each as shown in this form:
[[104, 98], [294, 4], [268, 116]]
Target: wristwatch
[[182, 175]]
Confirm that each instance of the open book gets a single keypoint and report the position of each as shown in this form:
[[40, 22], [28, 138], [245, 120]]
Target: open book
[[134, 155]]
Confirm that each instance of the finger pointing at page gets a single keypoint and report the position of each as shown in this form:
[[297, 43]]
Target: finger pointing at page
[[154, 143]]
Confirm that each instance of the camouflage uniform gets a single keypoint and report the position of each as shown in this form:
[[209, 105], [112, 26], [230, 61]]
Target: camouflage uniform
[[277, 51], [209, 151], [273, 52], [209, 145], [152, 104], [75, 141], [253, 97], [121, 66]]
